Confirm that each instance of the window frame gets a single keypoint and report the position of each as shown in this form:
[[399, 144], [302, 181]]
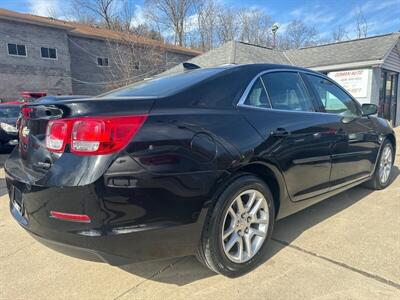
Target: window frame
[[265, 91], [102, 59], [310, 94], [17, 55], [318, 99], [40, 50]]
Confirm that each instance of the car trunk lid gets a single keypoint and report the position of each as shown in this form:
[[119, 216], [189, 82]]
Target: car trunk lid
[[32, 157]]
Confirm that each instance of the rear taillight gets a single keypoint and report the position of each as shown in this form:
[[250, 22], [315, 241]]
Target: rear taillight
[[92, 135], [57, 135]]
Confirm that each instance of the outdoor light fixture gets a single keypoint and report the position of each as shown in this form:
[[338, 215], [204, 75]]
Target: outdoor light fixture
[[274, 29]]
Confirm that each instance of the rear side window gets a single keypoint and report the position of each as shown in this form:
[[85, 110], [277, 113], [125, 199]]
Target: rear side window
[[286, 91], [164, 86], [333, 98], [257, 96]]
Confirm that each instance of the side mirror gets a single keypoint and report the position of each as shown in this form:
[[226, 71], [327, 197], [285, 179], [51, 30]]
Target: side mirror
[[369, 109]]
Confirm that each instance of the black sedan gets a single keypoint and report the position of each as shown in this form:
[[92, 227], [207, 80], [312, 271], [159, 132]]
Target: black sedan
[[8, 125], [203, 162]]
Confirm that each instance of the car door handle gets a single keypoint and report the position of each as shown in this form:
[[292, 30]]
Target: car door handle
[[280, 132]]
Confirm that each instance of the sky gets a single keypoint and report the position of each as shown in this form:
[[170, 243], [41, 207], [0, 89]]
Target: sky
[[382, 16]]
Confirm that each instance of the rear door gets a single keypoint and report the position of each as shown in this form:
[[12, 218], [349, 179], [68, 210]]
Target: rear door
[[354, 155], [297, 137]]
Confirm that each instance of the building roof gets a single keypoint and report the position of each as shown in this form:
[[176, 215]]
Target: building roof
[[235, 52], [371, 50], [85, 30]]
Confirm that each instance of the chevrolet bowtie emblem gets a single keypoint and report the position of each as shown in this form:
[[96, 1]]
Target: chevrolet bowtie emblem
[[25, 131]]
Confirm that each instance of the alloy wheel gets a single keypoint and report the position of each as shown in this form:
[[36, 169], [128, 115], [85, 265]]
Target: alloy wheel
[[245, 226], [385, 164]]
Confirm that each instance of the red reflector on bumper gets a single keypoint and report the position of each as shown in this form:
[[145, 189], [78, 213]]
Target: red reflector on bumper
[[70, 217]]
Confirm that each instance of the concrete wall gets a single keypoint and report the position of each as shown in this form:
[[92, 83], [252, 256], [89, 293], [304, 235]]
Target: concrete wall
[[88, 78], [33, 73], [173, 58]]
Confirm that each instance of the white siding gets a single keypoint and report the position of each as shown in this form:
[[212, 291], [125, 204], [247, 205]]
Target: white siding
[[392, 61]]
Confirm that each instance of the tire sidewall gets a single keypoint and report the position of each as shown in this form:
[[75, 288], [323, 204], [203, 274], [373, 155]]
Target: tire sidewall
[[222, 262]]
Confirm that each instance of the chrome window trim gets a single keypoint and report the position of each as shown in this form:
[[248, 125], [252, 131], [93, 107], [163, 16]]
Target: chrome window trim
[[250, 85], [252, 82], [266, 92]]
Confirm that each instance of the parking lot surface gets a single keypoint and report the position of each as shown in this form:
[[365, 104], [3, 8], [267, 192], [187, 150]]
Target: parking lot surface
[[346, 247]]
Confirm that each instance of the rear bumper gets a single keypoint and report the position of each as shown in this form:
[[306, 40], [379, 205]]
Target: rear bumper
[[127, 225]]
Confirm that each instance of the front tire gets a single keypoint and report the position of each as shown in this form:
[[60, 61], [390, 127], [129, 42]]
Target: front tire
[[383, 170], [238, 227]]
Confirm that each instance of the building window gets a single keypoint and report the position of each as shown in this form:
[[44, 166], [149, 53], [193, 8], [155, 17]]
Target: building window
[[15, 49], [48, 52], [102, 61]]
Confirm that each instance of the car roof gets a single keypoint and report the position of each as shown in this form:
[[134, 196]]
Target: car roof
[[266, 67]]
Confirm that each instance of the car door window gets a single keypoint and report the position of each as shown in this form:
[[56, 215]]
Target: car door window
[[287, 91], [257, 96], [333, 98]]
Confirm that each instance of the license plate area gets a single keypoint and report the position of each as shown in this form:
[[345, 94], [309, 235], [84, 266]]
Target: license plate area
[[16, 200]]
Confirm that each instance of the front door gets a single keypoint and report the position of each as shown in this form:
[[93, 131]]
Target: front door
[[354, 154], [296, 137], [388, 95]]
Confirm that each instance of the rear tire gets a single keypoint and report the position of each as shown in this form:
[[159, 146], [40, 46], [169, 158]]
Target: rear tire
[[238, 227], [383, 170]]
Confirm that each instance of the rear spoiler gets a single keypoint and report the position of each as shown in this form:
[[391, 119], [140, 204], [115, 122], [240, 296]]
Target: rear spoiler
[[189, 66]]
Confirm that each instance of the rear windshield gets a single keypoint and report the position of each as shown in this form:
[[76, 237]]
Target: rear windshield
[[9, 112], [163, 86]]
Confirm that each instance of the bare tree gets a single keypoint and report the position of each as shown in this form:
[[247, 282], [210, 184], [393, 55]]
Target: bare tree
[[340, 34], [146, 31], [255, 27], [133, 60], [361, 24], [126, 15], [80, 14], [298, 35], [171, 14], [207, 21], [102, 10], [228, 26]]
